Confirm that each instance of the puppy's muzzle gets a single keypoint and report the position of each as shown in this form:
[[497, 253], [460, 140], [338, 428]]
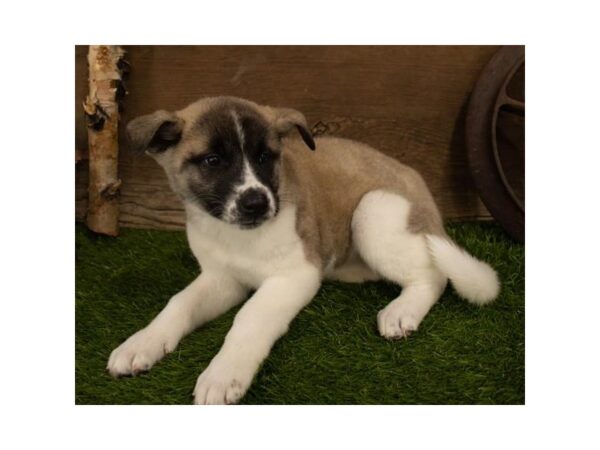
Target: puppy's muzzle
[[253, 206]]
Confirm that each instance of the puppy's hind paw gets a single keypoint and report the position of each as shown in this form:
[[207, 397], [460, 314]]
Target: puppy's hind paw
[[396, 324]]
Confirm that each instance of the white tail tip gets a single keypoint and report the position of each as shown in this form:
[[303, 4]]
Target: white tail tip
[[474, 280]]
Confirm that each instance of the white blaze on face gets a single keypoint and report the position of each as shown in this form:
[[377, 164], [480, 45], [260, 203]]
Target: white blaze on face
[[238, 129], [248, 180]]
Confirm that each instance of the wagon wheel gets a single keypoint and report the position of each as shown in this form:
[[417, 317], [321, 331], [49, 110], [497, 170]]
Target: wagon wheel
[[496, 138]]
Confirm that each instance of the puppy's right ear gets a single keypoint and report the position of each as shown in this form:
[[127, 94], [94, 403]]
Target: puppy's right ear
[[154, 133]]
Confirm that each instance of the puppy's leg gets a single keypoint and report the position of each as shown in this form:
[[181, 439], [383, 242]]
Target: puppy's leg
[[207, 297], [379, 230], [261, 321], [403, 315]]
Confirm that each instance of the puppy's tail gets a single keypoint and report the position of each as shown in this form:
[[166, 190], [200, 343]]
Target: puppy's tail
[[474, 280]]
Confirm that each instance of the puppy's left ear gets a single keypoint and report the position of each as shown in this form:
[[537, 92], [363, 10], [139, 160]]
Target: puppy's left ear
[[285, 120]]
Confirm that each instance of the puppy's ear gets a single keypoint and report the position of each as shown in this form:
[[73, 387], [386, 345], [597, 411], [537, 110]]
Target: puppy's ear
[[285, 120], [154, 133]]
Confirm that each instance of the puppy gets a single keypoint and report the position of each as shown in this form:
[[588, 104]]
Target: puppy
[[265, 213]]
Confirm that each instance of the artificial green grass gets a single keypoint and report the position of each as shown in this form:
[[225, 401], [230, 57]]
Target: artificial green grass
[[332, 354]]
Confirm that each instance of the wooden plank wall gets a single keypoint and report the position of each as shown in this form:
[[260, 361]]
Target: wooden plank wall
[[408, 101]]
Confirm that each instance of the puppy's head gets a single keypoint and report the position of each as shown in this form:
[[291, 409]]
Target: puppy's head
[[221, 154]]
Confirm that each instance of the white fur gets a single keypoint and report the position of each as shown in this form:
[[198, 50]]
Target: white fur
[[249, 256], [207, 297], [474, 280], [238, 129], [381, 236]]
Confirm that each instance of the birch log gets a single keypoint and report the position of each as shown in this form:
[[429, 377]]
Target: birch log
[[102, 111]]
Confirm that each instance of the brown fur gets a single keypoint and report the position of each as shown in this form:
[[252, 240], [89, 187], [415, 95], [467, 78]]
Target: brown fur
[[327, 186]]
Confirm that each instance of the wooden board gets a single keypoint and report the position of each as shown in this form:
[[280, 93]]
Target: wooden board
[[407, 101]]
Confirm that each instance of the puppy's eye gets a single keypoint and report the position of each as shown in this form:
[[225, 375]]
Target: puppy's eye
[[212, 160], [265, 156]]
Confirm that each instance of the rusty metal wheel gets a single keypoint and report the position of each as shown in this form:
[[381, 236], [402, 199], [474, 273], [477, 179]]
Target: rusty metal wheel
[[496, 138]]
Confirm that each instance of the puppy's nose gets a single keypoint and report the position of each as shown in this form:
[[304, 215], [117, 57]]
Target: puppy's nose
[[254, 202]]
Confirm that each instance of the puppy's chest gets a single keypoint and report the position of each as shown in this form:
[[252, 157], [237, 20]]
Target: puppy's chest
[[250, 256]]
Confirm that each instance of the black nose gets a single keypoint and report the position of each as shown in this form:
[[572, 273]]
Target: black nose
[[253, 202]]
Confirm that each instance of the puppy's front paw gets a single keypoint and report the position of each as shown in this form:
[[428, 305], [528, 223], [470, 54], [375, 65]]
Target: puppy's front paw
[[224, 383], [139, 353]]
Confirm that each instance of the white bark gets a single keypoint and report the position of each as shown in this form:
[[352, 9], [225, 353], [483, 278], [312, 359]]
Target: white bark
[[102, 109]]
